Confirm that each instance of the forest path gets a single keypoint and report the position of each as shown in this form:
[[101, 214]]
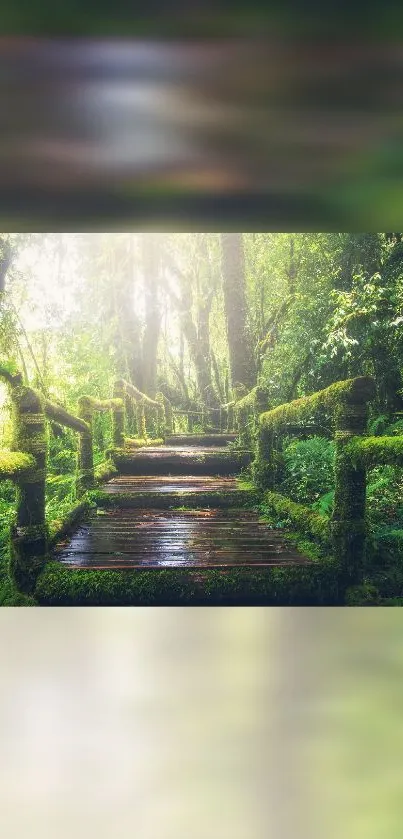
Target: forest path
[[177, 506]]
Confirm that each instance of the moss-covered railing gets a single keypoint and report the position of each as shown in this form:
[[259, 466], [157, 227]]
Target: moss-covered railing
[[246, 412], [207, 418], [343, 408], [153, 418], [26, 464]]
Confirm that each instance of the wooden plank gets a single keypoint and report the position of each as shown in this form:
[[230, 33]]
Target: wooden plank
[[199, 439], [194, 460], [60, 415], [171, 483], [188, 538], [98, 561]]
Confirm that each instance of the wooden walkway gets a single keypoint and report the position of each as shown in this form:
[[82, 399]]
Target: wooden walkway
[[146, 484], [212, 534]]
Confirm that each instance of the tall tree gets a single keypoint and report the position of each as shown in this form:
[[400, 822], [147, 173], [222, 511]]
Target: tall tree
[[242, 363], [151, 265], [196, 287]]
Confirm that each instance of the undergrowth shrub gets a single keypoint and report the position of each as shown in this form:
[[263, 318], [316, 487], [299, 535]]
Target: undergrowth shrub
[[308, 469]]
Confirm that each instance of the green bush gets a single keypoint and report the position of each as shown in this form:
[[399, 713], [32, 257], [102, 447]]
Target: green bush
[[60, 495], [308, 469], [364, 595], [384, 498]]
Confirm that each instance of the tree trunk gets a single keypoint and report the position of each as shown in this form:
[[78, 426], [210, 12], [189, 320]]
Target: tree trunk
[[199, 350], [152, 313], [242, 363]]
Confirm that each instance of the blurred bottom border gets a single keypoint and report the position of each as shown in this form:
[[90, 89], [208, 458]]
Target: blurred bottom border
[[210, 722]]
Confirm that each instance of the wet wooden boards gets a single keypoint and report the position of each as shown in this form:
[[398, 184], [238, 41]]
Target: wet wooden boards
[[176, 538]]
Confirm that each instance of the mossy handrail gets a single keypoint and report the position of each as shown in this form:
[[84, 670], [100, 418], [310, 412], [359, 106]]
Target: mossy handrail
[[26, 464], [246, 412], [344, 405], [153, 416], [14, 465], [206, 414]]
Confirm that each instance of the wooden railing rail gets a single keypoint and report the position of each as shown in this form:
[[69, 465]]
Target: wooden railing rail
[[153, 416], [26, 464], [344, 406]]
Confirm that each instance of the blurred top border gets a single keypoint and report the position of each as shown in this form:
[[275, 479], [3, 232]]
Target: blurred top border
[[210, 133]]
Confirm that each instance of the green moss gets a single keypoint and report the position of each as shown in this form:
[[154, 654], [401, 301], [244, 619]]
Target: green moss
[[9, 594], [264, 465], [375, 451], [161, 415], [105, 471], [92, 405], [119, 414], [305, 519], [59, 527], [27, 556], [29, 536], [192, 500], [141, 420], [346, 403], [294, 585], [351, 392], [15, 464], [247, 411], [85, 477], [169, 419]]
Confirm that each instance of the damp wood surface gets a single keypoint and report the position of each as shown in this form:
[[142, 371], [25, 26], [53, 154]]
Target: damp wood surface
[[180, 538], [200, 439], [182, 460], [170, 483], [145, 523]]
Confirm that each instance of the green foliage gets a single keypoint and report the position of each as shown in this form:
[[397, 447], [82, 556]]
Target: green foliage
[[365, 594], [308, 469], [60, 495], [296, 585], [384, 498], [301, 517], [324, 504], [322, 308], [13, 464], [9, 595]]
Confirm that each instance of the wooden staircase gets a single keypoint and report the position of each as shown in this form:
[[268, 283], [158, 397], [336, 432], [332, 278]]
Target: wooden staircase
[[177, 505]]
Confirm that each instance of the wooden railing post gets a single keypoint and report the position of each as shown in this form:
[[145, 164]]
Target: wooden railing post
[[85, 459], [169, 418], [161, 415], [230, 417], [29, 536], [348, 526], [264, 464], [141, 419], [118, 415]]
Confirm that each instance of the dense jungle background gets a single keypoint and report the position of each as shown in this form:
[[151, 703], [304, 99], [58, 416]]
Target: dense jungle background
[[203, 318]]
